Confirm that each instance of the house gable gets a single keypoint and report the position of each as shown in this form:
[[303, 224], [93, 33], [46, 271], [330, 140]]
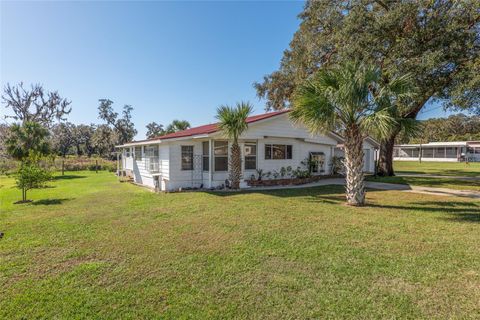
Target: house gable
[[282, 127]]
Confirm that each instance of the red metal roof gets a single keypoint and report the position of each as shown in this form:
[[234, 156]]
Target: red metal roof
[[211, 128]]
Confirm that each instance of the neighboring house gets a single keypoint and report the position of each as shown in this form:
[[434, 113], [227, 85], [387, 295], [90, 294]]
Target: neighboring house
[[199, 157], [456, 151]]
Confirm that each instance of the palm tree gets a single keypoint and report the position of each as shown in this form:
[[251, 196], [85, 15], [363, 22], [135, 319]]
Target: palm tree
[[178, 125], [351, 97], [232, 122]]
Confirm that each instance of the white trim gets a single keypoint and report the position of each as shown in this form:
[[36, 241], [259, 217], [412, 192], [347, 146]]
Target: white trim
[[210, 162]]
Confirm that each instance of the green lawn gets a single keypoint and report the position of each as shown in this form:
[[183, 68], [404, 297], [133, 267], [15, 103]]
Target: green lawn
[[91, 247], [450, 183], [438, 168]]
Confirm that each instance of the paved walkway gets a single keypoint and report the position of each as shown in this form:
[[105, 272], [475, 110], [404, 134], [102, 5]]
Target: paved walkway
[[381, 186], [427, 175]]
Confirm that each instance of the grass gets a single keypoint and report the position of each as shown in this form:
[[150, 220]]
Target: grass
[[450, 183], [438, 168], [91, 247]]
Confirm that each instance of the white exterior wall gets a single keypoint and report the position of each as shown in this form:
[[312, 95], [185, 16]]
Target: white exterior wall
[[140, 173], [179, 178], [164, 163], [282, 127], [300, 151], [277, 130], [368, 157]]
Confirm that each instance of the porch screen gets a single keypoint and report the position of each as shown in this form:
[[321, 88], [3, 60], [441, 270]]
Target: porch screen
[[138, 153], [250, 152], [205, 156], [220, 152]]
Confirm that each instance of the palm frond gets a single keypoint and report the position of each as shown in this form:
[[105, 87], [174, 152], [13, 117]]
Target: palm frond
[[312, 106], [232, 120], [379, 124]]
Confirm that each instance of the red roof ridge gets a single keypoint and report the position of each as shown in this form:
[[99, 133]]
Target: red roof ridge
[[212, 127]]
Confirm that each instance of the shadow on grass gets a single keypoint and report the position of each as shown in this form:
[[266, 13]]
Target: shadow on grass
[[454, 210], [442, 172], [49, 202], [287, 192], [68, 177], [330, 194]]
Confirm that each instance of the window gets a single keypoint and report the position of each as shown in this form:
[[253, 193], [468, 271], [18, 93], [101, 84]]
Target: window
[[206, 156], [317, 162], [138, 153], [250, 153], [451, 152], [151, 151], [187, 157], [152, 163], [220, 152], [427, 153], [278, 151]]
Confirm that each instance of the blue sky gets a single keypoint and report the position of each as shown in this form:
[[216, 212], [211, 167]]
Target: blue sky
[[169, 60]]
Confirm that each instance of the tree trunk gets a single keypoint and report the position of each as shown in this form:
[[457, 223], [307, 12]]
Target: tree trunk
[[235, 166], [355, 187], [385, 159], [63, 166], [24, 194]]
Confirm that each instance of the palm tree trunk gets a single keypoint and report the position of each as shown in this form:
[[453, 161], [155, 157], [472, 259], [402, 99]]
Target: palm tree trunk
[[235, 166], [355, 188]]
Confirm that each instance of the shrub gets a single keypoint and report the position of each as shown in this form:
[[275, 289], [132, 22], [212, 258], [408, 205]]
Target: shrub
[[31, 176]]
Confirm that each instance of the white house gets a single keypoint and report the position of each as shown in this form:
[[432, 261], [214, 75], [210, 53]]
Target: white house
[[198, 157], [451, 151]]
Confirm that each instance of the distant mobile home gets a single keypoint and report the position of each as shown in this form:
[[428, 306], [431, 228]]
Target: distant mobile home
[[455, 151], [199, 157]]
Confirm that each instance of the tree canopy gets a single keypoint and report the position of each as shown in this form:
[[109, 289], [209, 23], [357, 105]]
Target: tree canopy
[[437, 42], [27, 139], [123, 124], [62, 138], [35, 104], [458, 127], [177, 125], [154, 130]]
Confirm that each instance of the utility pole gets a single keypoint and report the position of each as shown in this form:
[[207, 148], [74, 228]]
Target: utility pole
[[420, 153]]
